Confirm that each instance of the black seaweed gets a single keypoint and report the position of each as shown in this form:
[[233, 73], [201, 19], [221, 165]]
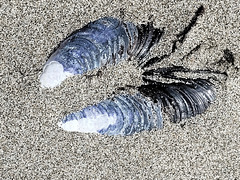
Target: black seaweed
[[191, 52], [182, 35], [227, 60], [228, 55], [180, 38], [167, 72]]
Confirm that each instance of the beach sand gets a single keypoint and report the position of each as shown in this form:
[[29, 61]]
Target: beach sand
[[34, 147]]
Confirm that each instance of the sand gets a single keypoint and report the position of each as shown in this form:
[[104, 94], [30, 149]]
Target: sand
[[34, 147]]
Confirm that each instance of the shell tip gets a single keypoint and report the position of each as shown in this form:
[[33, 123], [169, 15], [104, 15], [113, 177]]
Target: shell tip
[[53, 74]]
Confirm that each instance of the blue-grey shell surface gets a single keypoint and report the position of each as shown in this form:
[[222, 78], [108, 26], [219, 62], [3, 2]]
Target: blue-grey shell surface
[[130, 114], [104, 41], [122, 115]]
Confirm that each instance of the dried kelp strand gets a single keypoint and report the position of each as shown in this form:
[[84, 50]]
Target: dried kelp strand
[[99, 43]]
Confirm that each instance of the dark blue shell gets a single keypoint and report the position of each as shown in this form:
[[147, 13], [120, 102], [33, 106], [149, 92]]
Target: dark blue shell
[[104, 41], [131, 114], [100, 42]]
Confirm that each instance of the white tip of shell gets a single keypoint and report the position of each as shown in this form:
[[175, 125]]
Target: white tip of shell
[[91, 124], [53, 74]]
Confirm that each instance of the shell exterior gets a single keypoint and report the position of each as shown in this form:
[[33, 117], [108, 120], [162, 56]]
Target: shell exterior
[[129, 114], [104, 41], [122, 115], [100, 42], [183, 100]]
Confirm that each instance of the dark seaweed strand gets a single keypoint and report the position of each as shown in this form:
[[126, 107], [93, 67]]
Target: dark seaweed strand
[[196, 48], [182, 99], [182, 35], [180, 38], [227, 60], [228, 55], [168, 72]]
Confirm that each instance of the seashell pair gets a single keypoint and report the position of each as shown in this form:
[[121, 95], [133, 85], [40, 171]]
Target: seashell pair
[[107, 41]]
